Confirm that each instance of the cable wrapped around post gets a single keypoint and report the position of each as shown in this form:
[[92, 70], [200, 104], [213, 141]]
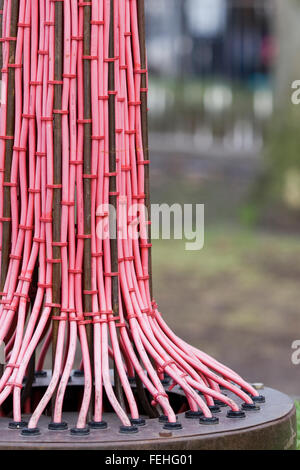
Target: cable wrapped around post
[[75, 208]]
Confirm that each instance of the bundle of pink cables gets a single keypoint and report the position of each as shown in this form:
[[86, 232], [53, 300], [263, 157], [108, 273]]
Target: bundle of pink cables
[[130, 332]]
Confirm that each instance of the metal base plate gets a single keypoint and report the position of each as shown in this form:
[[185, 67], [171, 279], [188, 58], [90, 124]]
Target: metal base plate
[[271, 428]]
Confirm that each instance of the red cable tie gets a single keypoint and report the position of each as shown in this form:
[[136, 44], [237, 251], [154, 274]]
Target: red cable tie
[[123, 67], [47, 118], [97, 255], [8, 38], [76, 162], [34, 190], [146, 245], [6, 137], [155, 397], [114, 193], [84, 4], [145, 310], [143, 278], [26, 227], [84, 121], [90, 57], [97, 22], [60, 111], [24, 278], [44, 285], [97, 137], [68, 203], [132, 315], [140, 71], [138, 196], [126, 258], [77, 38], [59, 317], [131, 289], [53, 261], [112, 92], [68, 310], [60, 244], [103, 97], [41, 154], [127, 33], [15, 257], [111, 274], [130, 132], [9, 184], [134, 103], [143, 162], [9, 307], [161, 368], [14, 384], [82, 236], [91, 314], [111, 59], [52, 305], [101, 320], [119, 131], [82, 321], [121, 325], [19, 294], [47, 220], [35, 83], [55, 82], [53, 186], [90, 292], [69, 75], [39, 240], [90, 177], [13, 365], [75, 271], [111, 174], [43, 52], [28, 116], [144, 90], [126, 167]]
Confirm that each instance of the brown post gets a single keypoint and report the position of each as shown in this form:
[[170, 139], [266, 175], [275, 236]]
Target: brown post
[[113, 188], [152, 412], [87, 255], [10, 126], [144, 119], [57, 177]]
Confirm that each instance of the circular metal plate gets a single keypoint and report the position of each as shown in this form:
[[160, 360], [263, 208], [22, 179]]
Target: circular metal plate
[[273, 427]]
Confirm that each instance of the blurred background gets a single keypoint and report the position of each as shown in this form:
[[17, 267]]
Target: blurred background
[[224, 133]]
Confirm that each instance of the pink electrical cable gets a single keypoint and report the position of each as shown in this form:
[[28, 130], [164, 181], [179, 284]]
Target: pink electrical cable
[[136, 338]]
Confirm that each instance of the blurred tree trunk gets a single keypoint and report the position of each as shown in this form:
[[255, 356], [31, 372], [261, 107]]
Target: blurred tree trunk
[[276, 198]]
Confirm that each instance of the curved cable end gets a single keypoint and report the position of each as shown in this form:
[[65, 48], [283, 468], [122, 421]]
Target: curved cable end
[[29, 432], [97, 424]]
